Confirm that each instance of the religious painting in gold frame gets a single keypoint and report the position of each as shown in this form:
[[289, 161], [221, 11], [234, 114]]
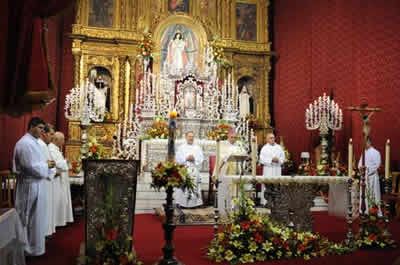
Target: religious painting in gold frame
[[178, 6], [246, 20], [101, 13]]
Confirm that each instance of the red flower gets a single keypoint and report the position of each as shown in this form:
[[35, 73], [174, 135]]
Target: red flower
[[112, 234], [301, 247], [93, 149], [286, 245], [258, 238], [276, 241], [123, 260], [372, 237], [245, 225], [373, 210]]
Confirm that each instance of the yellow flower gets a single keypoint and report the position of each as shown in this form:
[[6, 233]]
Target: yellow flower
[[237, 244], [267, 246], [252, 246], [229, 255]]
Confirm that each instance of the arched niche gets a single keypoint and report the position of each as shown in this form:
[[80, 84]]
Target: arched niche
[[251, 86], [167, 26], [101, 77]]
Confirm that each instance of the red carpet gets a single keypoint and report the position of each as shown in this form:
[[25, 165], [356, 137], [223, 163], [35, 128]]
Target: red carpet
[[191, 243]]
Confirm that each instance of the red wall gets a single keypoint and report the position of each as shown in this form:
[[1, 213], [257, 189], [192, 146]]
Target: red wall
[[12, 128], [350, 47]]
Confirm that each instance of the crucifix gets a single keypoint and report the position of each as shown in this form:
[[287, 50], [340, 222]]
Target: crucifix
[[365, 114]]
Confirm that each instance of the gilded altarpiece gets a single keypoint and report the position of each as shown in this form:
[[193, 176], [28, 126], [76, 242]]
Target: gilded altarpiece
[[109, 37]]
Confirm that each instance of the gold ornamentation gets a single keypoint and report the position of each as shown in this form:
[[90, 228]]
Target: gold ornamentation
[[116, 48]]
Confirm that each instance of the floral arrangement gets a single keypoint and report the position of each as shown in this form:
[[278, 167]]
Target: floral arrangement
[[250, 237], [374, 233], [76, 166], [321, 170], [95, 150], [219, 132], [146, 45], [159, 129], [112, 247], [218, 54], [170, 174]]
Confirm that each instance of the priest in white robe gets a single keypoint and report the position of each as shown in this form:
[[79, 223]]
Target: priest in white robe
[[32, 171], [227, 149], [63, 204], [372, 188], [44, 140], [190, 155], [272, 157]]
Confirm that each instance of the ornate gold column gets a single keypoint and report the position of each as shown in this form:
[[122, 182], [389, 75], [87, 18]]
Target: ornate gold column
[[123, 106], [77, 54]]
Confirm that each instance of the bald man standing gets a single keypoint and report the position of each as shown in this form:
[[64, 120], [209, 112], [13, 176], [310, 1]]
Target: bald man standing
[[63, 206]]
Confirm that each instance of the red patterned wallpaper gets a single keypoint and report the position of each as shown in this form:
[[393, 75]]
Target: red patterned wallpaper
[[349, 47]]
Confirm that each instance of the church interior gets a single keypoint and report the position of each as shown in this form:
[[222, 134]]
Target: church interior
[[199, 132]]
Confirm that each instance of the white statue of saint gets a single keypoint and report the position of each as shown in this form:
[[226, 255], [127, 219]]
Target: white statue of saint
[[244, 101], [177, 58], [100, 97]]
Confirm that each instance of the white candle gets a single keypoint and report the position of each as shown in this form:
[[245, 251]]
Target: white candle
[[387, 159], [350, 158], [253, 154], [217, 160]]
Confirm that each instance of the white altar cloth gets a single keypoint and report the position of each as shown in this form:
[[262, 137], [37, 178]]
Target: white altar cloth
[[12, 239], [228, 187], [338, 201]]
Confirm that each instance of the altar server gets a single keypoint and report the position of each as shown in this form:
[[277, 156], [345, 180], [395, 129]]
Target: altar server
[[32, 170], [372, 188], [44, 140], [272, 157], [191, 155], [62, 198]]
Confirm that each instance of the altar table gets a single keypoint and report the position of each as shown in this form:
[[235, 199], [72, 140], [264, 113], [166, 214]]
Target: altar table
[[284, 194], [12, 238]]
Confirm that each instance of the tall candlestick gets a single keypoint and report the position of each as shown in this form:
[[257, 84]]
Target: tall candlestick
[[387, 159], [350, 158]]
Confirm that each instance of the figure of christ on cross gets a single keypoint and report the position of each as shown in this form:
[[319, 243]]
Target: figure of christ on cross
[[365, 114]]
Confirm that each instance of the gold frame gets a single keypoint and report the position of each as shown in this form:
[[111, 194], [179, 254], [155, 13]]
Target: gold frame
[[185, 20], [258, 20]]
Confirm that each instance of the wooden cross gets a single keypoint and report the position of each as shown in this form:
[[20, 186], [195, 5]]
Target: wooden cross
[[366, 114]]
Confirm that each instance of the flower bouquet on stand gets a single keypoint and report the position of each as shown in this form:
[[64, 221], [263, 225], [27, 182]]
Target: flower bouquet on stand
[[170, 174]]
